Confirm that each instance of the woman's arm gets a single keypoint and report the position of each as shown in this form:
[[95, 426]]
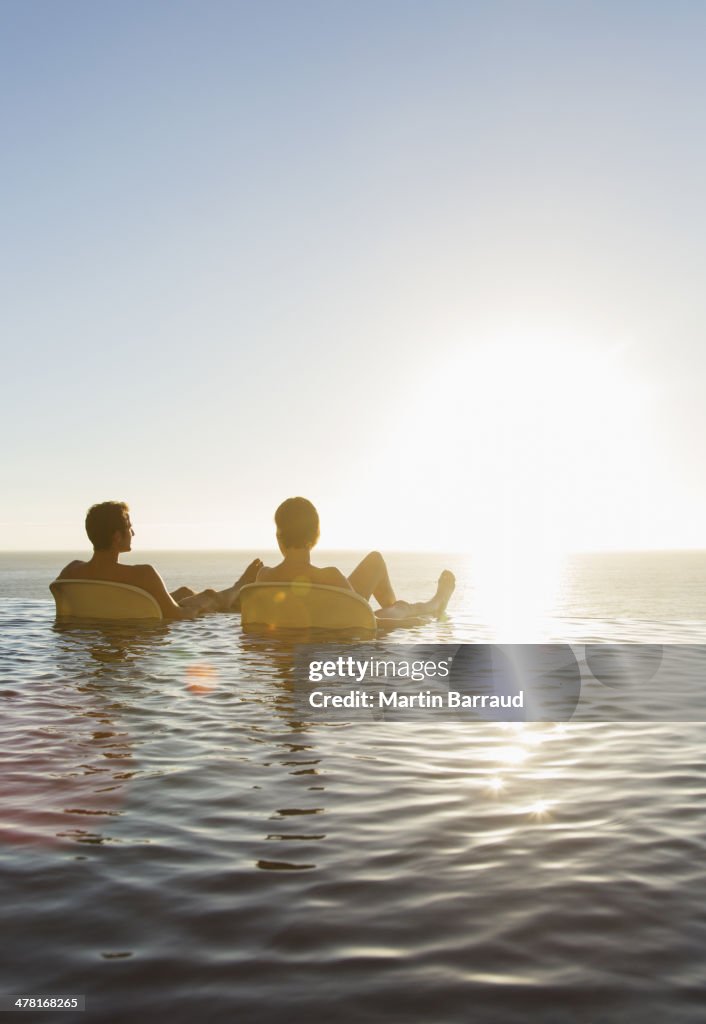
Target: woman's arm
[[333, 577]]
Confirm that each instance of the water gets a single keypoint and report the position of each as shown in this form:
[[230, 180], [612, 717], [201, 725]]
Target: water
[[176, 843]]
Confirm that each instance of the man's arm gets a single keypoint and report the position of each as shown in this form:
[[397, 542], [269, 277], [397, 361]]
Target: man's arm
[[150, 580]]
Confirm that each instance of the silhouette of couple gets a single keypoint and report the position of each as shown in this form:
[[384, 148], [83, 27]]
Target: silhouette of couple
[[110, 532]]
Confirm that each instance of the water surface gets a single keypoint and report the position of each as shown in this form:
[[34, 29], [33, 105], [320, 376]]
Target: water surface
[[177, 842]]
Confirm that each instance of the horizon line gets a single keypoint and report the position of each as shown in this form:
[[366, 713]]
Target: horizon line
[[355, 550]]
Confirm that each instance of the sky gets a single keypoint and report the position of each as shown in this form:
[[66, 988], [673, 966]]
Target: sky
[[438, 267]]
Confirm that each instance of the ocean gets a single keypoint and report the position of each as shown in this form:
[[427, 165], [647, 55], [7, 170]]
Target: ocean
[[178, 841]]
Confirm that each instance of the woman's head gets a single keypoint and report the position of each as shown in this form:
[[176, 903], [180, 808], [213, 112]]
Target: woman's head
[[103, 521], [297, 524]]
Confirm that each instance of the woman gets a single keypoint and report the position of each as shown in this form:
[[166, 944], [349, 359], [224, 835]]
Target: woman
[[297, 524]]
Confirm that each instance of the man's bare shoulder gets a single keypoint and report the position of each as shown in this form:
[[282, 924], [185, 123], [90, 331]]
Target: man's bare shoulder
[[145, 576], [72, 570], [139, 574]]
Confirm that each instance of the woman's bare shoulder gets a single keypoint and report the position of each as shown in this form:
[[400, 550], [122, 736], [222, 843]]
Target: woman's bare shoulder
[[332, 577]]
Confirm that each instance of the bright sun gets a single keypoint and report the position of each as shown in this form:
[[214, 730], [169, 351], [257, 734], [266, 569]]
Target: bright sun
[[537, 433]]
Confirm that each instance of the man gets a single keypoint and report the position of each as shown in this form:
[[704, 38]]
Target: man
[[110, 532]]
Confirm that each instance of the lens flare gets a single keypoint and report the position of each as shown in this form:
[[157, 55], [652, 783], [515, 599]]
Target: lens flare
[[201, 679]]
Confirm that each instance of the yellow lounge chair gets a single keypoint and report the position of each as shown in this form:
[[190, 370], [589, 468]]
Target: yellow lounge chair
[[101, 599], [301, 605]]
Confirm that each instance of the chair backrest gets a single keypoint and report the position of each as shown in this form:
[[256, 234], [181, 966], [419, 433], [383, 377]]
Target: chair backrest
[[301, 605], [103, 599]]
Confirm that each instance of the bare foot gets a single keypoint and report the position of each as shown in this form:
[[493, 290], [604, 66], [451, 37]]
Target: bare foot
[[249, 576], [402, 610], [398, 610], [444, 590]]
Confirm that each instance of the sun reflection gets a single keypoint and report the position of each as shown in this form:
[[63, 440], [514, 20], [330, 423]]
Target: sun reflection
[[540, 808], [495, 784], [512, 755], [533, 739]]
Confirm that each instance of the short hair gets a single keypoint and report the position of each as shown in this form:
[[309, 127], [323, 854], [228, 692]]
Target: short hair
[[103, 521], [297, 523]]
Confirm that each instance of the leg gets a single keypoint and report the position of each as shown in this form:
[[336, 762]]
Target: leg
[[206, 601], [371, 579], [221, 600], [182, 593], [435, 606]]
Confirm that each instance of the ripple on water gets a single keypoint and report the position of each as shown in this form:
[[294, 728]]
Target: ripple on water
[[170, 825]]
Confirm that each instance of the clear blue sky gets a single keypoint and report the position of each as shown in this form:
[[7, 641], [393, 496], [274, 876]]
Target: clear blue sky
[[429, 264]]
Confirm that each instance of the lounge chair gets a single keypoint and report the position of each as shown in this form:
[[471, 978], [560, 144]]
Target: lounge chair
[[100, 599], [301, 605]]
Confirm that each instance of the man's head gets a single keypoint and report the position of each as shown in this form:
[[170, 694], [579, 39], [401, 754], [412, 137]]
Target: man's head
[[297, 524], [106, 520]]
